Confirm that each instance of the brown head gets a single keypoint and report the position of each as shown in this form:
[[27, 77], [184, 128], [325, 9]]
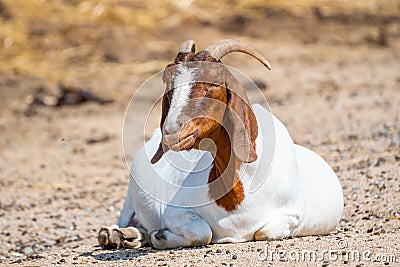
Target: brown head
[[203, 100]]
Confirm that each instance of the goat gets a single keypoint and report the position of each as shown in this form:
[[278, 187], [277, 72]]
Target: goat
[[206, 108]]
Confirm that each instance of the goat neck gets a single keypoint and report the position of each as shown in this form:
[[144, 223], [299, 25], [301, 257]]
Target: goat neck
[[224, 184]]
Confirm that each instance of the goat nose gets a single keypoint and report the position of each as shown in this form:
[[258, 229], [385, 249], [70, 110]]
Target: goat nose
[[171, 127]]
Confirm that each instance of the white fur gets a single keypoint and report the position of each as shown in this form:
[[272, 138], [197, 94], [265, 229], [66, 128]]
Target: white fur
[[183, 83], [301, 194]]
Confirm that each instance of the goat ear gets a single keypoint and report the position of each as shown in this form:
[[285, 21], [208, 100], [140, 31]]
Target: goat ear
[[162, 149], [158, 155], [244, 123]]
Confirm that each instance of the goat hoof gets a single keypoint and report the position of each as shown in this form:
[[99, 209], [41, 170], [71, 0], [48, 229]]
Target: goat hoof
[[133, 237], [104, 238], [158, 238], [116, 238]]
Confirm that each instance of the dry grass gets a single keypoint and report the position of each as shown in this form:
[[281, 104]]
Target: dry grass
[[49, 39]]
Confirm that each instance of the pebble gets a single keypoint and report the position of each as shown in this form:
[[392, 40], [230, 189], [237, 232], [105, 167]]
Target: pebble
[[16, 255], [28, 251]]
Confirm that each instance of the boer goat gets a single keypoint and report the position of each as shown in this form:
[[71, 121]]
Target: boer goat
[[207, 120]]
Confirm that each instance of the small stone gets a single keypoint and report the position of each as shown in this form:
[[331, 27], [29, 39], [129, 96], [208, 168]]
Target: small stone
[[28, 251], [66, 254], [16, 255], [234, 257]]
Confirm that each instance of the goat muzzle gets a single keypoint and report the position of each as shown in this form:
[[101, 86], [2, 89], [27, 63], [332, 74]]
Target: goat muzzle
[[181, 140]]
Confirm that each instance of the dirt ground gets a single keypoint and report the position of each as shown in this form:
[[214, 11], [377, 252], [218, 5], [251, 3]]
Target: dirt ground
[[335, 84]]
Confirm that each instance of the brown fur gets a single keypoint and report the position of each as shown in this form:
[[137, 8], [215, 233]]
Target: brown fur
[[223, 180]]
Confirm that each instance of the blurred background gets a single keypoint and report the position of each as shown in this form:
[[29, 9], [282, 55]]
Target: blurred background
[[69, 68]]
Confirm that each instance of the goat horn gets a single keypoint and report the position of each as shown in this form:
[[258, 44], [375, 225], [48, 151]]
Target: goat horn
[[221, 48], [187, 47]]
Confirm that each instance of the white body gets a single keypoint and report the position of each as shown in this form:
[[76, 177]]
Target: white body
[[301, 195]]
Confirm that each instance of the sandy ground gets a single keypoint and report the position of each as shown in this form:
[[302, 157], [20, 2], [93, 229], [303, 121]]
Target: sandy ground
[[335, 84]]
